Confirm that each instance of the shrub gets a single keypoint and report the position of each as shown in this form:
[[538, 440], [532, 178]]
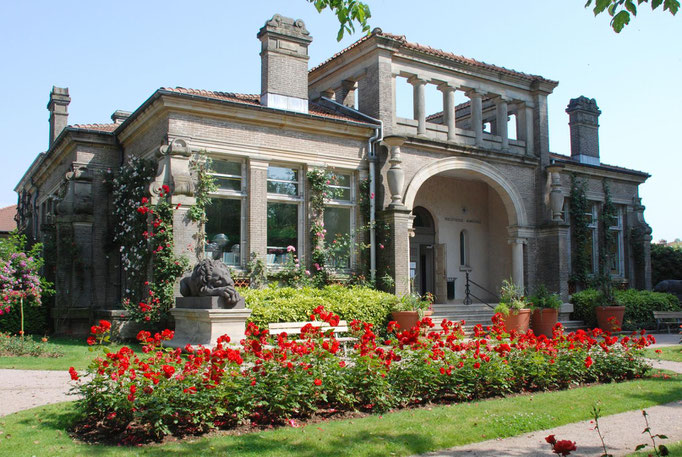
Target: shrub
[[666, 263], [15, 346], [267, 379], [543, 299], [639, 306], [286, 304], [35, 320]]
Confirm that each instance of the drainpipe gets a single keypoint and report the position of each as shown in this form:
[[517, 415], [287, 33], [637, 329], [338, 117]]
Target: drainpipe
[[371, 157]]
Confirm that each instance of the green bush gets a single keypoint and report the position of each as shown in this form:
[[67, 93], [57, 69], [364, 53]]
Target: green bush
[[639, 306], [286, 304], [666, 263], [35, 320]]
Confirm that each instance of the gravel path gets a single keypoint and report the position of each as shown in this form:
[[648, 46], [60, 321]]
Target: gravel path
[[24, 389]]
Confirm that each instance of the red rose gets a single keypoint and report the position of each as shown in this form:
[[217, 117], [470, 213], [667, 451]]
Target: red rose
[[73, 373], [168, 370], [550, 439], [91, 340], [317, 382], [588, 362], [564, 447]]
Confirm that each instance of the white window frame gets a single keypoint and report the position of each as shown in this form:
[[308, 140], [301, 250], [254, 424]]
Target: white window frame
[[351, 204], [235, 195], [284, 198], [618, 228]]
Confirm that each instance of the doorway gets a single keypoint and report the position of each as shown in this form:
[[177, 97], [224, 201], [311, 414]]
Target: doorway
[[422, 247]]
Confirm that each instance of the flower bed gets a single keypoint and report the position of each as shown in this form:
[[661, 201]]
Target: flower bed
[[272, 379]]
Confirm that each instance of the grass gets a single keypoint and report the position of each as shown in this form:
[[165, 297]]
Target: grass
[[43, 430], [672, 353], [76, 354], [674, 448]]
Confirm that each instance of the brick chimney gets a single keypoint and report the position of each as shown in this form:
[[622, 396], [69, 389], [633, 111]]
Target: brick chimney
[[59, 112], [583, 115], [284, 64]]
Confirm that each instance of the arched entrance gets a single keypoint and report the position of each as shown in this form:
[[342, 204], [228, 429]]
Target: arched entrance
[[481, 226], [422, 251]]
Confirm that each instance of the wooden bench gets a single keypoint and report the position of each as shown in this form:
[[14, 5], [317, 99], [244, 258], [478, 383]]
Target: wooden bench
[[294, 328], [667, 318]]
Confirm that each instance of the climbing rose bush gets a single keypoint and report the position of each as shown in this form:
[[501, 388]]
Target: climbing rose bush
[[274, 379]]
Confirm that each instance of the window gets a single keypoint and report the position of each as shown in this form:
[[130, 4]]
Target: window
[[616, 248], [463, 249], [284, 212], [225, 215], [339, 221], [592, 246]]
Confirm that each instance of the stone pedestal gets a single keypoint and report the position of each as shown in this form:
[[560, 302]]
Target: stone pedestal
[[200, 321]]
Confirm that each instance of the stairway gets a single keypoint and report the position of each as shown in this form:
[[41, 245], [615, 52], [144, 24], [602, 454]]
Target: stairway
[[480, 313]]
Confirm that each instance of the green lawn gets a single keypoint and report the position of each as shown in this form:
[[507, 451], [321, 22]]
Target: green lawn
[[674, 448], [43, 431], [672, 353], [76, 352]]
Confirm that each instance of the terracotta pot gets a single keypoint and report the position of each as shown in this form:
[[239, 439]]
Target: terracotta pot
[[604, 313], [544, 320], [408, 319], [517, 320]]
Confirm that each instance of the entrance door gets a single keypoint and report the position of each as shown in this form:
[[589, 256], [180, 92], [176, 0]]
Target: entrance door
[[422, 247]]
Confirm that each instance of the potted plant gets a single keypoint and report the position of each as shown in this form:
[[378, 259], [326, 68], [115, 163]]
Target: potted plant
[[411, 308], [513, 307], [545, 306]]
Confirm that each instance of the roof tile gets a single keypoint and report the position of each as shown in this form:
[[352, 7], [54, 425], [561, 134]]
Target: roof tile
[[7, 222]]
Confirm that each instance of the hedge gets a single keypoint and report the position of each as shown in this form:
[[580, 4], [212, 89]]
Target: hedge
[[639, 306], [287, 304], [666, 263], [35, 320]]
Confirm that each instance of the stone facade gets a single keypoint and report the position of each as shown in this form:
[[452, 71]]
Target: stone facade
[[492, 191]]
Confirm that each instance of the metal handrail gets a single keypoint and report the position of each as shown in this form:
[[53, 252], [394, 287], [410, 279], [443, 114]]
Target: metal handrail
[[468, 294]]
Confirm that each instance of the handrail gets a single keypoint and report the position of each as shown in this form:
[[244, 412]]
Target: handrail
[[468, 294]]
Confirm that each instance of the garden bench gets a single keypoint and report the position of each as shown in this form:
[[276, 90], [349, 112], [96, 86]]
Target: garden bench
[[667, 318], [294, 328]]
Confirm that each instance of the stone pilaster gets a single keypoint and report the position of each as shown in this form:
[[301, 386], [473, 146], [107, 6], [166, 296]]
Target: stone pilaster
[[397, 255], [257, 227], [501, 120]]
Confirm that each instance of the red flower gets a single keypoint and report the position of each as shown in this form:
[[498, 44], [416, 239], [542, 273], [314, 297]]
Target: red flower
[[317, 382], [342, 364], [73, 373], [477, 365], [91, 340], [588, 362], [165, 189], [564, 447], [168, 370], [144, 200], [550, 439]]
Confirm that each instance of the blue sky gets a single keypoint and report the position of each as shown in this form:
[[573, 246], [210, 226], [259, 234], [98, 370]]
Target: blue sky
[[113, 55]]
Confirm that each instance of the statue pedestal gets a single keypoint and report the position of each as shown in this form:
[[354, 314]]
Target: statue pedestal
[[198, 320]]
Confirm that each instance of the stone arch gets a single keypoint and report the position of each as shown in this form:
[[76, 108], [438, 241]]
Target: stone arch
[[511, 199]]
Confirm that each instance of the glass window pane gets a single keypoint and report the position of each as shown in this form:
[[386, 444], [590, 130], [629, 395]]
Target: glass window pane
[[228, 183], [341, 194], [224, 167], [223, 230], [338, 236], [614, 258], [340, 180], [286, 188], [282, 231], [282, 173]]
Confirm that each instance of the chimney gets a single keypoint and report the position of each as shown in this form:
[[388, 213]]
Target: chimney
[[284, 64], [119, 116], [59, 113], [583, 115]]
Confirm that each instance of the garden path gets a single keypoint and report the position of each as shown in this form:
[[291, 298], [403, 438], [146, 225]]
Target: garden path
[[24, 389], [622, 432]]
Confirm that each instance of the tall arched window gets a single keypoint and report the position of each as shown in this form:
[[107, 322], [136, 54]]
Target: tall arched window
[[463, 249]]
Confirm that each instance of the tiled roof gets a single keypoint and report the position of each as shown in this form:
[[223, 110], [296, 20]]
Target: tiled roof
[[554, 155], [96, 127], [7, 222], [254, 99], [435, 52]]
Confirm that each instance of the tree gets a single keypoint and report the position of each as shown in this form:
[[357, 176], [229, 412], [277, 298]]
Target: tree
[[621, 10], [348, 12]]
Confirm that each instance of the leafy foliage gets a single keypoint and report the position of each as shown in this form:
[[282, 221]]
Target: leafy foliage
[[543, 299], [200, 166], [348, 12], [639, 306], [622, 10], [13, 346], [579, 208], [666, 263]]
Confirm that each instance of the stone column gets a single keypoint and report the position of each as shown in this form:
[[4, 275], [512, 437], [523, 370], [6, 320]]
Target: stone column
[[517, 260], [556, 196], [524, 125], [257, 227], [395, 175], [419, 103], [398, 250], [449, 109], [476, 104], [502, 119]]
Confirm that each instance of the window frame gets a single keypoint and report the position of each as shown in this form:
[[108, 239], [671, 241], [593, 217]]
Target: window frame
[[620, 244], [292, 199], [230, 194], [350, 204]]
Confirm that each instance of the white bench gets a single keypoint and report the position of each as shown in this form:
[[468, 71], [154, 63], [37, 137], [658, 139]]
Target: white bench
[[667, 318], [294, 328]]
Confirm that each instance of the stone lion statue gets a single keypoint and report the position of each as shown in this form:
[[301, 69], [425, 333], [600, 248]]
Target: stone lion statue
[[211, 278]]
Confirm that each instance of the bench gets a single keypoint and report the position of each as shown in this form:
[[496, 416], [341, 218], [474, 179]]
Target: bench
[[294, 328], [667, 318]]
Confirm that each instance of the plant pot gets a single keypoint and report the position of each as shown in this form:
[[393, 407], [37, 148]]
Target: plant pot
[[605, 313], [544, 320], [408, 319], [517, 320]]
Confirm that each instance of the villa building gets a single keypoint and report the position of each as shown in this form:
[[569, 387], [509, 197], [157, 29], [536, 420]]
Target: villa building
[[471, 189]]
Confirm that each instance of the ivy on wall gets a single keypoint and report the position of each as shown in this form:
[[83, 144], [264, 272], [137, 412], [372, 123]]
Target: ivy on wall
[[607, 241], [580, 237]]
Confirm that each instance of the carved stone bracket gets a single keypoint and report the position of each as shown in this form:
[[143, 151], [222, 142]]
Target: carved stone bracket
[[173, 170], [556, 196]]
